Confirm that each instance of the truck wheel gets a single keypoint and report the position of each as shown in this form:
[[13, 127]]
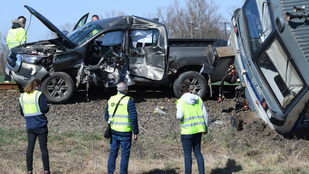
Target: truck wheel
[[58, 87], [198, 84]]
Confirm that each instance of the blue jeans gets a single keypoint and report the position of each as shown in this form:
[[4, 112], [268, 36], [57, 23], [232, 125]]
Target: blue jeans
[[125, 143], [190, 142]]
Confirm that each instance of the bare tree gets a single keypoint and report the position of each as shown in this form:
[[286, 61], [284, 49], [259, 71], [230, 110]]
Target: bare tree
[[3, 53], [197, 20], [66, 27], [227, 24], [233, 7]]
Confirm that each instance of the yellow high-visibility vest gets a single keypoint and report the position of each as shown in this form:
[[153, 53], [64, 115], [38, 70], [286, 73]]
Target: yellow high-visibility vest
[[16, 37], [193, 121], [120, 121], [30, 103]]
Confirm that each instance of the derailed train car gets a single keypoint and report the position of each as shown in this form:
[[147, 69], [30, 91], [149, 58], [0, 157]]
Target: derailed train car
[[271, 46]]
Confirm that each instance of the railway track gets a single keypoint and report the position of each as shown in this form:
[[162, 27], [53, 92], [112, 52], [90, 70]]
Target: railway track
[[11, 85]]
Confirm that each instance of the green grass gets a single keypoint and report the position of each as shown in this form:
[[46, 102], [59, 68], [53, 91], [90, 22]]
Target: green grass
[[2, 79], [77, 151], [11, 137]]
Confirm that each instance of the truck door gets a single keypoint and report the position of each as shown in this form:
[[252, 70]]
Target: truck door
[[81, 21], [147, 57]]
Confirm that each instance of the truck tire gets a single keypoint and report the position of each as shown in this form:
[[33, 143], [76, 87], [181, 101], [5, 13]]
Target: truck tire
[[198, 84], [58, 87]]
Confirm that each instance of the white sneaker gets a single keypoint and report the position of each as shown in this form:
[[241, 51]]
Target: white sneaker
[[6, 81]]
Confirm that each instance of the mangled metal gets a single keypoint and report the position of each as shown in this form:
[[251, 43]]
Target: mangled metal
[[270, 45], [107, 51]]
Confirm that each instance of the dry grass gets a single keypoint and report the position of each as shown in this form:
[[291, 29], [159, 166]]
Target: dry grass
[[86, 152]]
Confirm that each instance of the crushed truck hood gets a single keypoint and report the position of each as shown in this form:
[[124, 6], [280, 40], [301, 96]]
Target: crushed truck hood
[[49, 25]]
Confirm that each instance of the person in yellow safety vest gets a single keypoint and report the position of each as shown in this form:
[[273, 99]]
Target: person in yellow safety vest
[[33, 106], [194, 121], [123, 123], [17, 35]]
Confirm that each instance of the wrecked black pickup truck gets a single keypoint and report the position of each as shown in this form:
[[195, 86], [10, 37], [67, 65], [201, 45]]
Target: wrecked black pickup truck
[[104, 52]]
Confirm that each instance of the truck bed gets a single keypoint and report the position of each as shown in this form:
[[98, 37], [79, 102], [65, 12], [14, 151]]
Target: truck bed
[[185, 42]]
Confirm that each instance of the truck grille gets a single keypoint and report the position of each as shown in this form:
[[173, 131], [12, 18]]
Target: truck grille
[[12, 59]]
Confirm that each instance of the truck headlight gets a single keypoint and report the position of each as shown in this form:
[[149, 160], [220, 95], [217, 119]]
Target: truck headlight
[[29, 59]]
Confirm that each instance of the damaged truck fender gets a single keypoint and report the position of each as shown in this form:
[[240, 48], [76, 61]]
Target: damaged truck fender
[[104, 52]]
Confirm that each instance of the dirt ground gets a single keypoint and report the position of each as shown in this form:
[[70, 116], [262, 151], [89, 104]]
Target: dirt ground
[[80, 114], [83, 115]]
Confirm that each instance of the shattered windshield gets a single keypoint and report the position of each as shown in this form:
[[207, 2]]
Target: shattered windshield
[[258, 22], [84, 33]]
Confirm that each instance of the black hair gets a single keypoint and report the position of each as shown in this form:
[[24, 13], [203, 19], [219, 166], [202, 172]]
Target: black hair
[[95, 16], [19, 17]]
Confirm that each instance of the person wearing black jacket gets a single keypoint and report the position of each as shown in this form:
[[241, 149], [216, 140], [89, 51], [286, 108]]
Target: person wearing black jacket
[[33, 106]]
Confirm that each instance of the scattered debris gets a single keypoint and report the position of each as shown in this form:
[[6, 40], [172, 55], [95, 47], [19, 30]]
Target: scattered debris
[[159, 110]]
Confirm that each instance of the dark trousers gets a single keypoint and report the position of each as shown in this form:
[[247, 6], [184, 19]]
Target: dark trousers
[[7, 77], [42, 136], [190, 142], [125, 143]]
